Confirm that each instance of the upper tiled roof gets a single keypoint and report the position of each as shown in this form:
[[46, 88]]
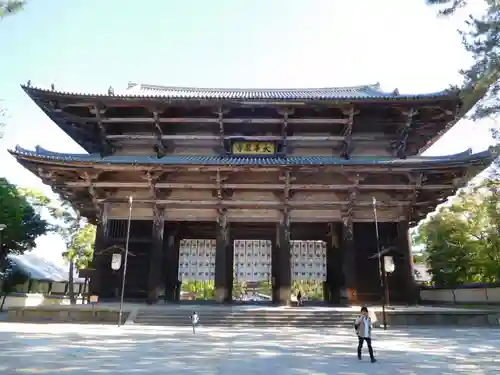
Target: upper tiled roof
[[364, 92], [484, 157]]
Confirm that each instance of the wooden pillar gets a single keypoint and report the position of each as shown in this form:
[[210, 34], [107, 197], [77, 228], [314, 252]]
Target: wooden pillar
[[229, 267], [284, 261], [275, 269], [221, 259], [333, 265], [171, 264], [349, 260], [155, 255], [404, 247], [100, 244]]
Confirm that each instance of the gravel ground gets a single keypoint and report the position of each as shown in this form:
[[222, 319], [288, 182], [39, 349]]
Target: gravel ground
[[84, 349]]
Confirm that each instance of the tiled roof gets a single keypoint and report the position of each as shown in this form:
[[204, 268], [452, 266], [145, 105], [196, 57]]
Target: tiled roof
[[49, 156], [364, 92], [38, 268]]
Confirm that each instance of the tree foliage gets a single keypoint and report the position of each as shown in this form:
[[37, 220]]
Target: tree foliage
[[481, 38], [77, 233], [10, 276], [23, 223], [9, 7], [462, 241]]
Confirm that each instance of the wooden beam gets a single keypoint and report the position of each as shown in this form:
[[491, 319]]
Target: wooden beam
[[214, 120], [292, 138], [259, 204], [247, 186]]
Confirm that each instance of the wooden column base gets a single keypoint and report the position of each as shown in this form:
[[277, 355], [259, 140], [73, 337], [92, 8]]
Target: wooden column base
[[221, 294], [284, 294], [352, 296]]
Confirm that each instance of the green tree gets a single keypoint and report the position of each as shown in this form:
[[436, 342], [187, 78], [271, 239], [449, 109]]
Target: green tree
[[462, 240], [80, 251], [9, 278], [77, 233], [23, 223], [481, 38]]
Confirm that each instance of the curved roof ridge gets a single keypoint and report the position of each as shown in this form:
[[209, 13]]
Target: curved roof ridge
[[137, 90], [148, 86]]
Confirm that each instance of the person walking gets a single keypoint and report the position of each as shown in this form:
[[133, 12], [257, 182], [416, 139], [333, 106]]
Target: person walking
[[299, 298], [363, 327], [194, 320]]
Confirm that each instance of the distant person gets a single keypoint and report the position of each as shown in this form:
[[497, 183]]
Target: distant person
[[363, 327], [194, 320], [299, 298]]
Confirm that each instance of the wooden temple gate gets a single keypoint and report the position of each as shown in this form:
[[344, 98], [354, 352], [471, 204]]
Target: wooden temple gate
[[270, 165]]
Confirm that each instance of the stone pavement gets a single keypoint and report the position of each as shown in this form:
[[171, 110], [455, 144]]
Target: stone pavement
[[87, 349]]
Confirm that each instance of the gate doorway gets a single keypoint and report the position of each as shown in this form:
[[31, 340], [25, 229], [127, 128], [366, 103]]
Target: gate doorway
[[252, 271], [196, 269], [309, 270]]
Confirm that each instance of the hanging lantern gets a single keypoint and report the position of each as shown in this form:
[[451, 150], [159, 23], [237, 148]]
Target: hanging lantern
[[389, 264], [116, 261]]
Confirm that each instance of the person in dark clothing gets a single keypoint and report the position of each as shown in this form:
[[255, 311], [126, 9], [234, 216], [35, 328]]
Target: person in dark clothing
[[363, 327], [299, 298]]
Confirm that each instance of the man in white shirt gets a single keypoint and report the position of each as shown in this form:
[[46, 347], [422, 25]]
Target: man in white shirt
[[363, 327], [194, 320]]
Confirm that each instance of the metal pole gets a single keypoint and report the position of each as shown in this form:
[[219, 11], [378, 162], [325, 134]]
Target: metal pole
[[380, 267], [125, 261]]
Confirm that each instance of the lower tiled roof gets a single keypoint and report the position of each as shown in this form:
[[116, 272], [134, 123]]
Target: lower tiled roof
[[41, 154]]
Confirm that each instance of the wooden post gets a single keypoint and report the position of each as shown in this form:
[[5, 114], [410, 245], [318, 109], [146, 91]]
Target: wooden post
[[221, 258], [349, 256], [171, 263], [333, 265], [404, 247], [101, 243], [156, 254], [284, 261]]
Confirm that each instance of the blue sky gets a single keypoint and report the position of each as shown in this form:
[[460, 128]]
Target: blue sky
[[89, 45]]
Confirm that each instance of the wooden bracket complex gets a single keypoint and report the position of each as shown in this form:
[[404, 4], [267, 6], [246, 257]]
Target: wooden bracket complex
[[98, 110], [404, 134], [347, 133]]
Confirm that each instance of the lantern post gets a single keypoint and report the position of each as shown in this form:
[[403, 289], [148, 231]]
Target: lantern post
[[130, 201], [381, 270]]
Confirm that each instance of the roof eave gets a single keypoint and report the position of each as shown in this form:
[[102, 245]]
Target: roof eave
[[482, 159], [33, 92]]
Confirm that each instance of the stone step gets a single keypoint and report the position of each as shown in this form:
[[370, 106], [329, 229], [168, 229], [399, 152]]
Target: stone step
[[248, 318]]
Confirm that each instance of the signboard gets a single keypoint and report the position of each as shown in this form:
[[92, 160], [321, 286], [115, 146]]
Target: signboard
[[253, 148]]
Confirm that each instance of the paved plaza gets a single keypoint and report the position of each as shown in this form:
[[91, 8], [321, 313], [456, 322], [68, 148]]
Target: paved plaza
[[82, 349]]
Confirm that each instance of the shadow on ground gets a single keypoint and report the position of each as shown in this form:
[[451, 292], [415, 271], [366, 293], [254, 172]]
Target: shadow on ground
[[72, 349]]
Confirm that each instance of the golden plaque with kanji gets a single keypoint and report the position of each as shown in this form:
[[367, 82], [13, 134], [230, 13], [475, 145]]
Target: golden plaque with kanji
[[253, 148]]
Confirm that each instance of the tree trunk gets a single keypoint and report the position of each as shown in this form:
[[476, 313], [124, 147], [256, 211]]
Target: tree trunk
[[4, 297], [71, 283]]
